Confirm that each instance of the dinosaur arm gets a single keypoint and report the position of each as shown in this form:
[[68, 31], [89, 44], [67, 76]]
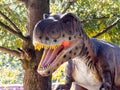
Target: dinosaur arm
[[107, 80], [106, 73], [106, 64]]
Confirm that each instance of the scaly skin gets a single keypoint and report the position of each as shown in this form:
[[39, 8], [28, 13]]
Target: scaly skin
[[92, 64]]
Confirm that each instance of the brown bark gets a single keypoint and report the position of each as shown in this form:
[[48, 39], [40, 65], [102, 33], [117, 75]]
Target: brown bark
[[36, 9], [30, 57], [9, 51], [32, 79], [10, 22]]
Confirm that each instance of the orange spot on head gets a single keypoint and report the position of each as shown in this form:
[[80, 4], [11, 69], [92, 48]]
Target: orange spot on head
[[66, 43]]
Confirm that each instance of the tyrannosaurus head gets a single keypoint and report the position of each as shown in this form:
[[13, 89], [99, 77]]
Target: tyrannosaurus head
[[60, 37]]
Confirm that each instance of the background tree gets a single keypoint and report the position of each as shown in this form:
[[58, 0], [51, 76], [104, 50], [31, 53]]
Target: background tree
[[99, 19], [28, 56]]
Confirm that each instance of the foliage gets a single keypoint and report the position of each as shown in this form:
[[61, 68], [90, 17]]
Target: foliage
[[107, 10], [96, 14], [10, 66], [10, 69], [59, 75], [98, 9]]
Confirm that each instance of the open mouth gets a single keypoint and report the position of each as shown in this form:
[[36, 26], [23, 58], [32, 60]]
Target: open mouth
[[50, 52]]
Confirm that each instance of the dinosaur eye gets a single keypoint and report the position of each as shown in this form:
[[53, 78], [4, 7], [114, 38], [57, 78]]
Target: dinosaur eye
[[54, 32], [68, 27]]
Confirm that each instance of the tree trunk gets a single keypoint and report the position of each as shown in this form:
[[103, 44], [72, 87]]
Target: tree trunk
[[32, 80]]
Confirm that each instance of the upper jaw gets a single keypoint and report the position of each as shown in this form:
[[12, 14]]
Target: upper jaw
[[39, 46]]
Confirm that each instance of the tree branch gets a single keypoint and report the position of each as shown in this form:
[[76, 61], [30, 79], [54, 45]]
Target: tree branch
[[9, 4], [92, 19], [19, 34], [108, 28], [9, 21], [12, 52]]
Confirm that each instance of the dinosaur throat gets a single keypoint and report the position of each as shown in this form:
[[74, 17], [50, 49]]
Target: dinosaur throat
[[51, 52]]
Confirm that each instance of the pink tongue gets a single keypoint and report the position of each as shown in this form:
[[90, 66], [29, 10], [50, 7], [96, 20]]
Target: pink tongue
[[50, 55]]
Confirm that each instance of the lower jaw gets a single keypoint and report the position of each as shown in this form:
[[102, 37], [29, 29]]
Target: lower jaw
[[52, 68]]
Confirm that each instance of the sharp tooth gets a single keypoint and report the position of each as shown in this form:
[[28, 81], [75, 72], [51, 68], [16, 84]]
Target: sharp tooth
[[35, 48], [56, 46], [50, 47], [44, 46], [39, 49], [53, 47], [47, 46], [41, 45]]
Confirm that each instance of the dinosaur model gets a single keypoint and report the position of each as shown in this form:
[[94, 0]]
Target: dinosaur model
[[92, 64]]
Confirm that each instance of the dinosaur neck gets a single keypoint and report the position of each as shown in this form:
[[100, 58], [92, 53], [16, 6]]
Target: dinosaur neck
[[88, 52]]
